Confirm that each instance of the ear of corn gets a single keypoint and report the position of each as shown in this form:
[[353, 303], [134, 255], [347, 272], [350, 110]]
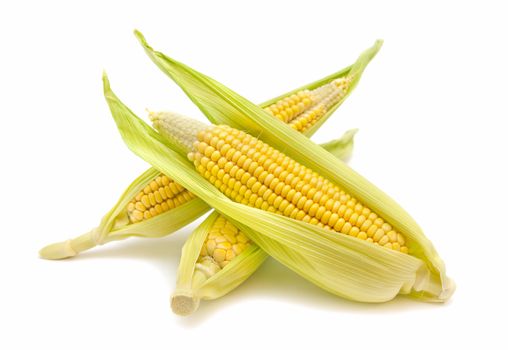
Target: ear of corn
[[202, 278], [145, 209], [344, 265], [165, 207], [217, 257]]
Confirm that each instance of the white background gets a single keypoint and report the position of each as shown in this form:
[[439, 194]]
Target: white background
[[431, 109]]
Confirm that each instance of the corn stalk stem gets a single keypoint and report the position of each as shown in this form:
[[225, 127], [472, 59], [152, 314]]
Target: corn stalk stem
[[69, 248]]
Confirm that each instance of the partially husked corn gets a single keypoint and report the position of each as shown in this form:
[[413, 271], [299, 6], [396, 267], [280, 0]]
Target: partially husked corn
[[329, 94], [253, 173], [161, 195], [304, 108]]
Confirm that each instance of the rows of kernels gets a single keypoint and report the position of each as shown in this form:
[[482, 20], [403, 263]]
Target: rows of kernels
[[308, 119], [291, 106], [327, 95], [251, 172], [342, 83], [224, 242], [159, 196]]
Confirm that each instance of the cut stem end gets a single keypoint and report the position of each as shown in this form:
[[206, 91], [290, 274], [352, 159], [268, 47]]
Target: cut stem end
[[184, 303]]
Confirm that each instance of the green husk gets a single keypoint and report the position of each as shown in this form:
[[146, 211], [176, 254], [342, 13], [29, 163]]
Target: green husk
[[341, 264], [189, 291]]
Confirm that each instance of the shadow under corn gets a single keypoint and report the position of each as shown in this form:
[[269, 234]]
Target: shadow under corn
[[272, 281]]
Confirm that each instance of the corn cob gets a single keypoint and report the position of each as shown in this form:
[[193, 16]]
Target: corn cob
[[304, 109], [251, 172], [161, 195]]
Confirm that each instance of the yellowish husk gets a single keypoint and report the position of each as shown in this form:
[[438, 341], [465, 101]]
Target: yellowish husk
[[423, 274], [341, 264]]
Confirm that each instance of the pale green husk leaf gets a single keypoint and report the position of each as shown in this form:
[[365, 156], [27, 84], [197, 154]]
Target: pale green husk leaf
[[341, 148], [341, 264], [222, 105]]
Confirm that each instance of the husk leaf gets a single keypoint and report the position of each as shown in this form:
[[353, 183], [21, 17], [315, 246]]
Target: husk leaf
[[341, 148]]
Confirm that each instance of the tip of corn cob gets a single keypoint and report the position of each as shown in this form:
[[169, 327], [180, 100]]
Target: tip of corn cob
[[176, 127], [184, 303]]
